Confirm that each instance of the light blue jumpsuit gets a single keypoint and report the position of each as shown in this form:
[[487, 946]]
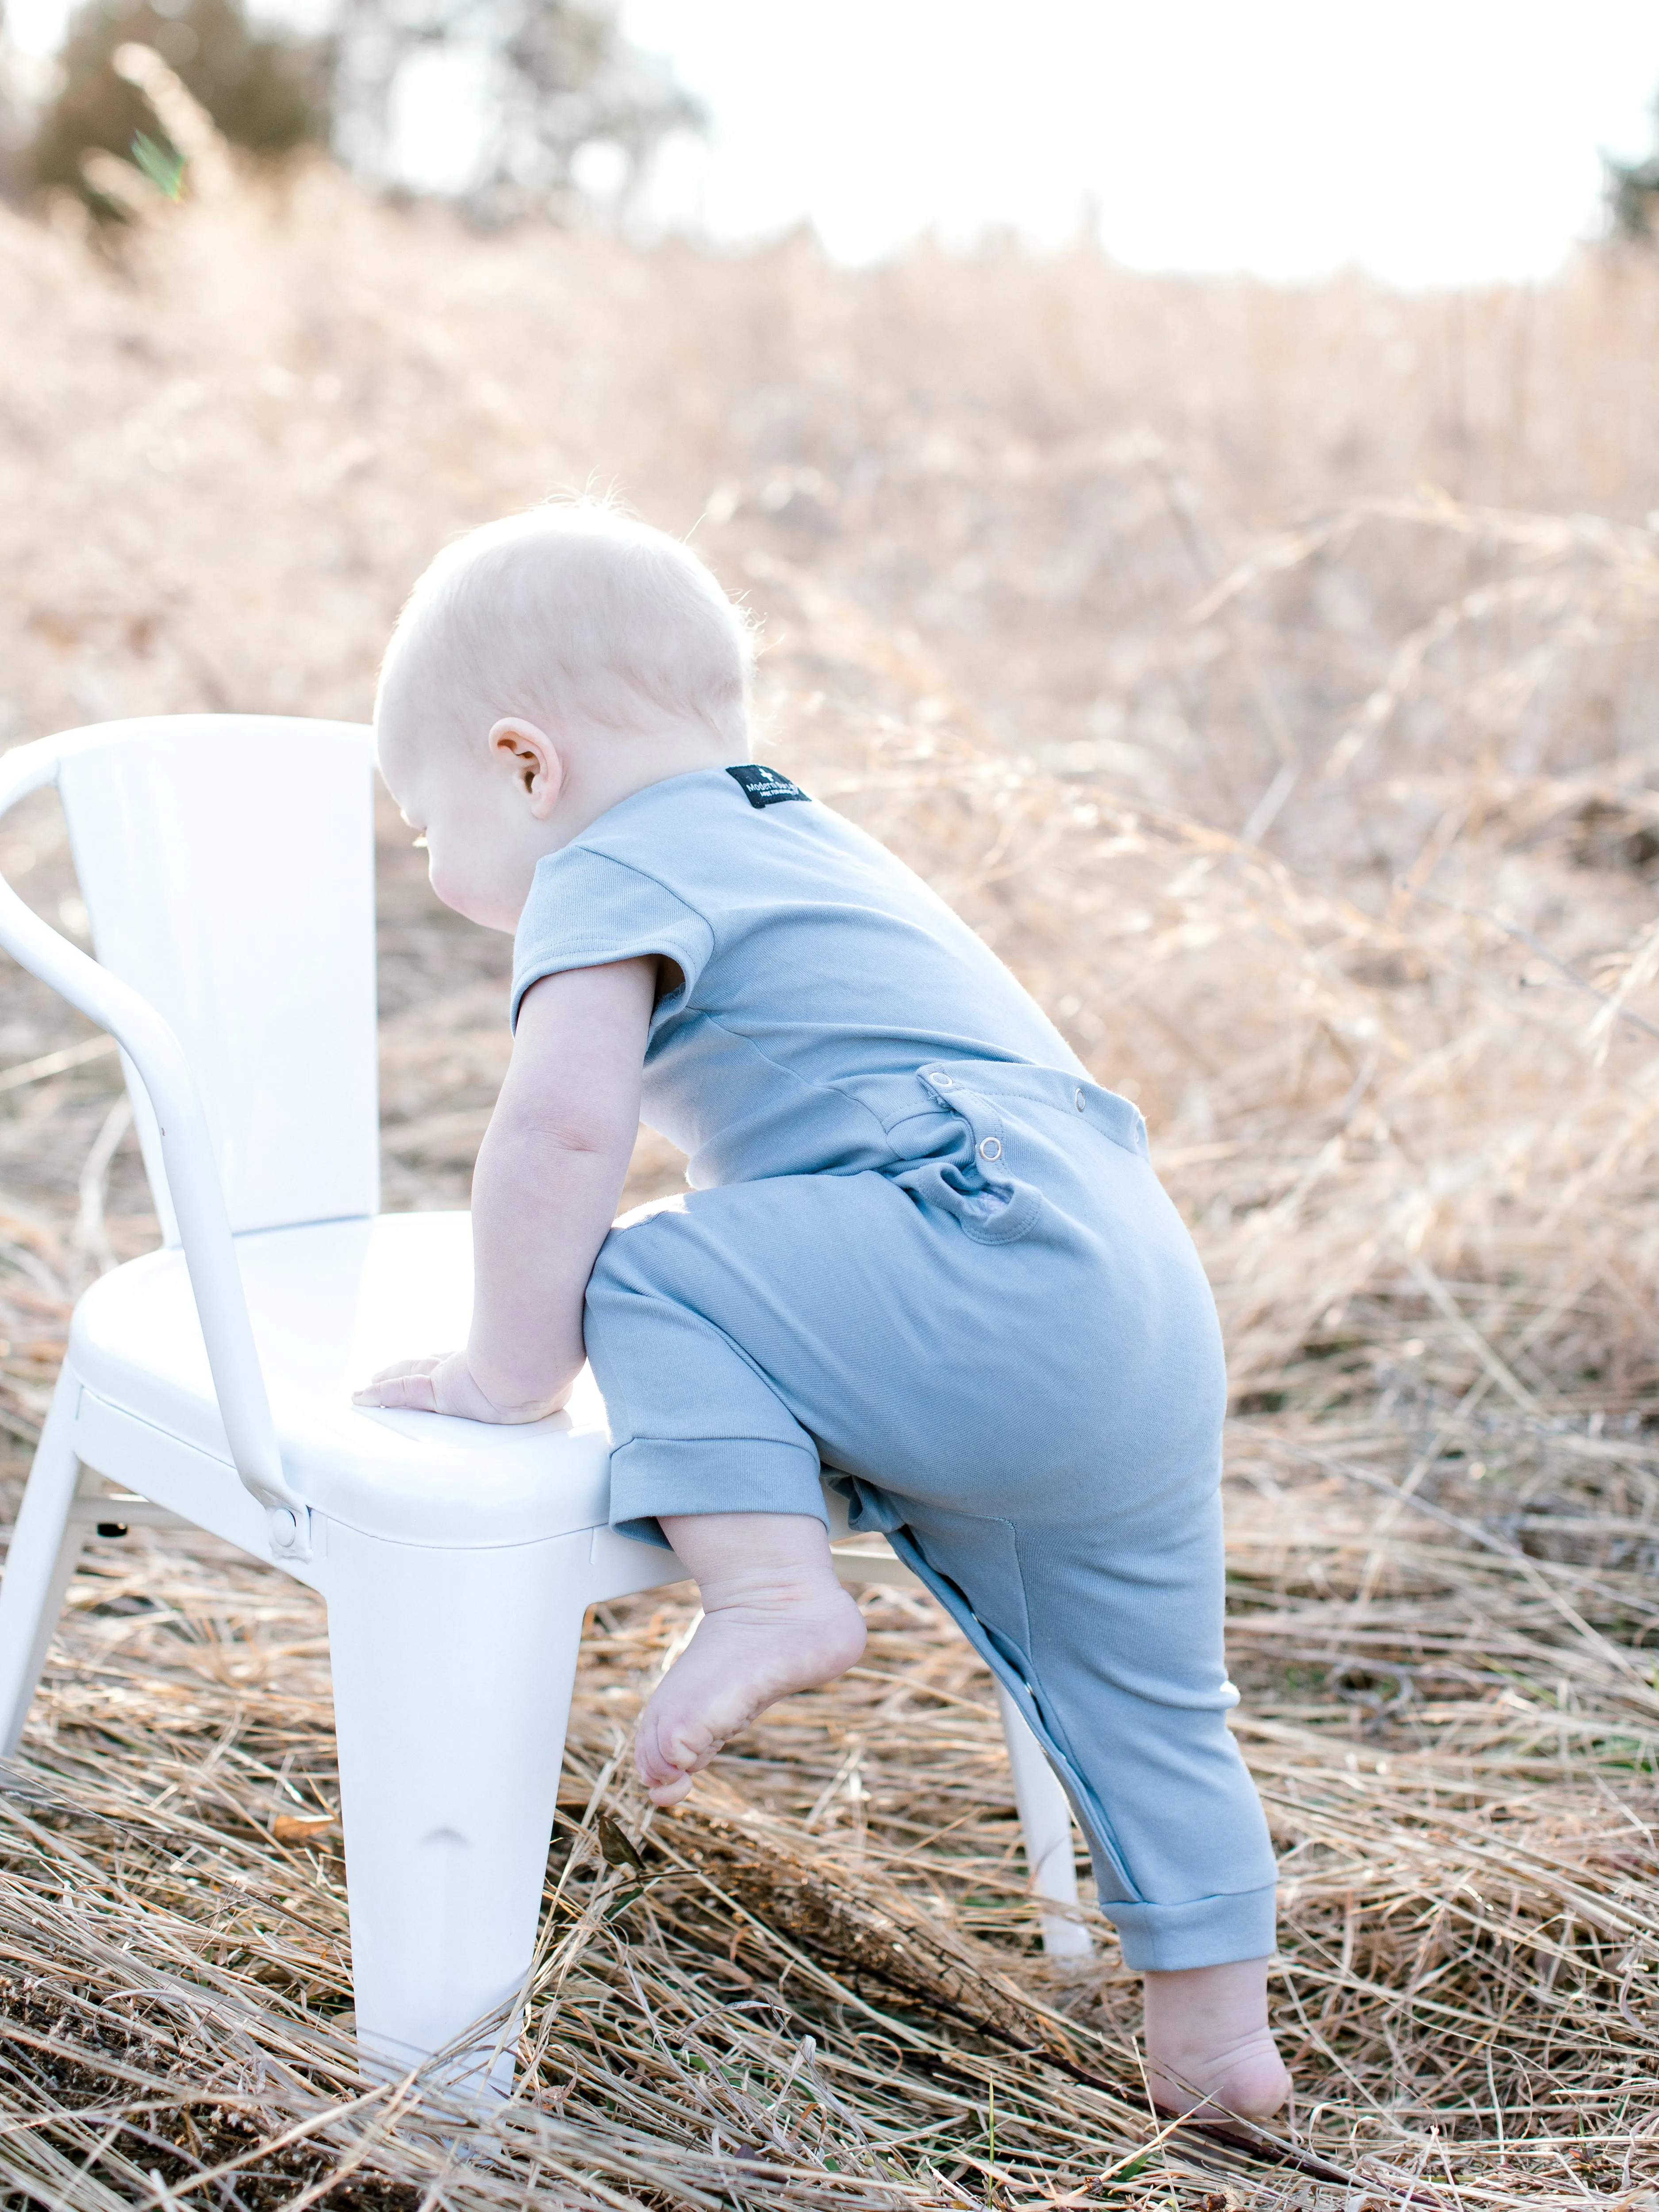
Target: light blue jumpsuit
[[923, 1253]]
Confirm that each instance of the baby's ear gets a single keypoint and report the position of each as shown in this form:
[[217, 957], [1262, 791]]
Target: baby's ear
[[534, 761]]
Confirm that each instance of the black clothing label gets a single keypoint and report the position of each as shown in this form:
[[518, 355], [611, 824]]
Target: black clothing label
[[765, 787]]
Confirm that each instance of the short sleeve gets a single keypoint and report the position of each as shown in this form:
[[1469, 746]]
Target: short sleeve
[[586, 909]]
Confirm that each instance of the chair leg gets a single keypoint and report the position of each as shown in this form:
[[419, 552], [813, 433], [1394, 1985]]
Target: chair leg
[[1045, 1815], [452, 1675], [39, 1561]]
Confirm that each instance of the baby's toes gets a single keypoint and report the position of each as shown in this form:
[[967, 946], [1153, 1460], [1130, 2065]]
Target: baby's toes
[[679, 1754], [656, 1756], [690, 1745], [671, 1793], [670, 1749]]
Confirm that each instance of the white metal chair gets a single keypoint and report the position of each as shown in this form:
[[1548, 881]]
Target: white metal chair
[[226, 863]]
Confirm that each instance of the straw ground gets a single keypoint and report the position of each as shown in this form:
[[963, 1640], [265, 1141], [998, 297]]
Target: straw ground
[[1271, 676]]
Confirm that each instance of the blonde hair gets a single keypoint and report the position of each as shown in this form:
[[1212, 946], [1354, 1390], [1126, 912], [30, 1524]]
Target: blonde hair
[[574, 611]]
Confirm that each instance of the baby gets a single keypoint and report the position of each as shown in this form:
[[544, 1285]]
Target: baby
[[923, 1255]]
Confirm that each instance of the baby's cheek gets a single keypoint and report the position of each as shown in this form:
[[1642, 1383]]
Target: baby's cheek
[[446, 880], [469, 890]]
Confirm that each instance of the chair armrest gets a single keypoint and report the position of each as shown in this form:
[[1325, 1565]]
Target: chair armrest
[[192, 1175]]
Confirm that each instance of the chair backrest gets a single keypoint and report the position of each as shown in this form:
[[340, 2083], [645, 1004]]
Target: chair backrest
[[228, 865]]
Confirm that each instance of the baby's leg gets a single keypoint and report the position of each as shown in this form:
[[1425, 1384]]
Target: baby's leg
[[775, 1620], [1046, 1437]]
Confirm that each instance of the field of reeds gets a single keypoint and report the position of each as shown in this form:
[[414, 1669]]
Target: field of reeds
[[1272, 677]]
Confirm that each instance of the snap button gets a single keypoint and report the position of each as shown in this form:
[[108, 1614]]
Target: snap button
[[991, 1149], [1077, 1100], [943, 1082]]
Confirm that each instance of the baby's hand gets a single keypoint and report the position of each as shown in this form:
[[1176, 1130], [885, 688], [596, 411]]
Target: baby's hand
[[442, 1383]]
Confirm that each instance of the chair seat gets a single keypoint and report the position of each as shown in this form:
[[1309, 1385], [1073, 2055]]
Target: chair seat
[[330, 1303]]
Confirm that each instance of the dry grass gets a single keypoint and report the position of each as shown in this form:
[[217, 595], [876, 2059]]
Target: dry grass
[[1272, 678]]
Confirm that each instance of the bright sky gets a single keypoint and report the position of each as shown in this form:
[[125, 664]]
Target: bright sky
[[1431, 141]]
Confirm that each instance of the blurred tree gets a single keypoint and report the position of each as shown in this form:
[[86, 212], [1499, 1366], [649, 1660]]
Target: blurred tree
[[1632, 190], [548, 80], [538, 85], [268, 92], [15, 118]]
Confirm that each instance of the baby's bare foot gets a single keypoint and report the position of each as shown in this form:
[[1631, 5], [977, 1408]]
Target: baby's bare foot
[[1209, 2054], [746, 1656]]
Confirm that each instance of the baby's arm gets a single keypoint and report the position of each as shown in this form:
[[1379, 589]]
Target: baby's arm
[[550, 1171]]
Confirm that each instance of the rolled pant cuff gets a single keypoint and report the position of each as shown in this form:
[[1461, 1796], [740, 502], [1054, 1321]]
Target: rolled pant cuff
[[1210, 1931], [655, 1476]]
